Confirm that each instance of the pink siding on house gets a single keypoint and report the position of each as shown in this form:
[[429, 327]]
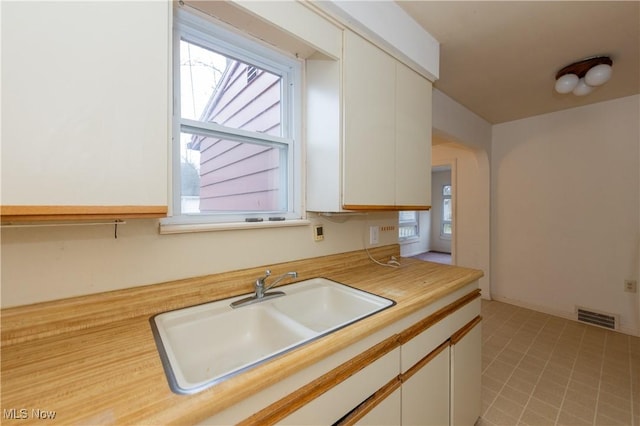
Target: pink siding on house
[[252, 157], [240, 103], [241, 202], [245, 184], [256, 162], [235, 175]]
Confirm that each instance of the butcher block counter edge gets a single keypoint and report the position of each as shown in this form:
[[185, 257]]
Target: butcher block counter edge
[[93, 359]]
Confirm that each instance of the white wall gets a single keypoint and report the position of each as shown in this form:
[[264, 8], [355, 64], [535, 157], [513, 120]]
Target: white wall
[[470, 177], [456, 123], [467, 140], [40, 264], [565, 210], [390, 26]]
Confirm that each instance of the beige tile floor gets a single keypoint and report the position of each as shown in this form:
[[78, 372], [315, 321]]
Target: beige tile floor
[[543, 370]]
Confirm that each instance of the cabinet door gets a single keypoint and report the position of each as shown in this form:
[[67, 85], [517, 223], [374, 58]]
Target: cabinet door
[[413, 139], [466, 372], [324, 135], [369, 129], [85, 105], [425, 393], [387, 413]]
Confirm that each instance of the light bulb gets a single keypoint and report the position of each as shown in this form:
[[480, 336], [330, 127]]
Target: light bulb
[[598, 75], [566, 83], [582, 88]]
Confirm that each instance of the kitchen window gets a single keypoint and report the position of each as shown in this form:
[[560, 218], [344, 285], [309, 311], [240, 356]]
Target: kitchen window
[[236, 138], [408, 225]]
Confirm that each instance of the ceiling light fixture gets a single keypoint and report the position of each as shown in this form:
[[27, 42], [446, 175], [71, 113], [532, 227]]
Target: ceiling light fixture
[[581, 77]]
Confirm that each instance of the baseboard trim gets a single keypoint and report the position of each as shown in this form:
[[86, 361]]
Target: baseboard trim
[[562, 314]]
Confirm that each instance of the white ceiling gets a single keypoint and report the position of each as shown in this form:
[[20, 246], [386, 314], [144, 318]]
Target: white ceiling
[[499, 58]]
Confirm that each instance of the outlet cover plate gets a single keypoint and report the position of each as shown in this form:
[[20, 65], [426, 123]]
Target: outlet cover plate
[[318, 233], [374, 234]]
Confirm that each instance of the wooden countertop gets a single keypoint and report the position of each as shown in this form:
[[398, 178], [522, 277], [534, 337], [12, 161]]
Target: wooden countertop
[[93, 359]]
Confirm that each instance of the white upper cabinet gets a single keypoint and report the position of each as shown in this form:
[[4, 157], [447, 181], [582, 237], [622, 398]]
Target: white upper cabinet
[[369, 132], [369, 92], [413, 138], [85, 109]]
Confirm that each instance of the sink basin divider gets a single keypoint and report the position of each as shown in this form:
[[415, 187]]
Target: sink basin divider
[[253, 299]]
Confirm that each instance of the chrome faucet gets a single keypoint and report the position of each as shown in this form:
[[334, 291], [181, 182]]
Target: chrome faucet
[[260, 282], [261, 288]]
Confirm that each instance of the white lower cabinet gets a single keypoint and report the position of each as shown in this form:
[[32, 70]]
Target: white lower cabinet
[[439, 381], [386, 413], [466, 371], [425, 394]]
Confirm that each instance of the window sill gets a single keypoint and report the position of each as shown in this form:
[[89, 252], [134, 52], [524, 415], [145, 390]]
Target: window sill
[[182, 228], [409, 240]]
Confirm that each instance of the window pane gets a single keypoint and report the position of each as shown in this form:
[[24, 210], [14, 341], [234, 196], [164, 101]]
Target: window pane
[[446, 229], [408, 216], [446, 190], [219, 89], [408, 231], [446, 210], [408, 221], [223, 175]]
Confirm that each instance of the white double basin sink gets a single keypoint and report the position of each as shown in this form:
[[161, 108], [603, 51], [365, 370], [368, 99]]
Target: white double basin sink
[[203, 345]]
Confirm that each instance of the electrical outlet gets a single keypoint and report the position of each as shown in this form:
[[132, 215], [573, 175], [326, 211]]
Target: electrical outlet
[[374, 234], [318, 233], [630, 286]]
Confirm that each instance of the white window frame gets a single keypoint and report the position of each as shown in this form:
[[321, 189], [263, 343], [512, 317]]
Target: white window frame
[[207, 32]]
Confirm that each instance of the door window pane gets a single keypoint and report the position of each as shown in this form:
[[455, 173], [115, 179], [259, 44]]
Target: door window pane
[[447, 229], [447, 212]]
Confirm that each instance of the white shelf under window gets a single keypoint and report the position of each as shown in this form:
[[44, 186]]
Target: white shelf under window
[[183, 228]]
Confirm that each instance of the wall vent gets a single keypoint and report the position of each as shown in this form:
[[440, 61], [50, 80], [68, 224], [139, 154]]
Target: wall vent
[[600, 319]]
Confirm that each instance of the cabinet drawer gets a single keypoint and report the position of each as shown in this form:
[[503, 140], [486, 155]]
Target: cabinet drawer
[[415, 349], [339, 400]]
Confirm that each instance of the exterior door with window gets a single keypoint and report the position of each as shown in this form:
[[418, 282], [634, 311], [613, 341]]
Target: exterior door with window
[[441, 211]]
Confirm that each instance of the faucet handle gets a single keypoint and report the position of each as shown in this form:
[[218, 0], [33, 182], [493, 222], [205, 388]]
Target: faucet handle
[[260, 281]]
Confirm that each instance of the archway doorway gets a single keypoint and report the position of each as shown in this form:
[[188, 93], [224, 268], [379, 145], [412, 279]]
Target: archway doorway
[[439, 244]]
